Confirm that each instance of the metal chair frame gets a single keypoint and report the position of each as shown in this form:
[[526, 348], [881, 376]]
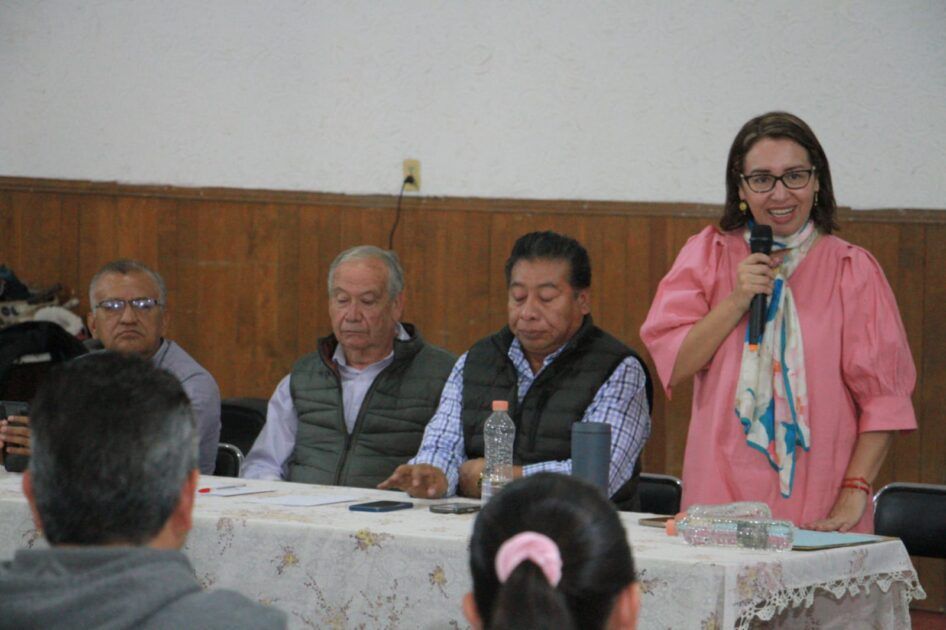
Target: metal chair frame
[[230, 453], [659, 482], [915, 513]]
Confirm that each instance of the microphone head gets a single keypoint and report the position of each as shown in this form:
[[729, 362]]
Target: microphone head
[[760, 240]]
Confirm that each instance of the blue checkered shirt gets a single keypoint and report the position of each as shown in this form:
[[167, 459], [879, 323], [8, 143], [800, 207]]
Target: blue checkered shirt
[[621, 402]]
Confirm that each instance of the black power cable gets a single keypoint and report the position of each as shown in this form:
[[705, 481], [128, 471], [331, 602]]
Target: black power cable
[[397, 213]]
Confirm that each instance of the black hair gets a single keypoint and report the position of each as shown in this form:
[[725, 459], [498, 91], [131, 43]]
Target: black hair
[[113, 441], [787, 126], [596, 556], [552, 246]]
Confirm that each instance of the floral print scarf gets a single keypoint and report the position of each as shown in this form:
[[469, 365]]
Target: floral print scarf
[[772, 394]]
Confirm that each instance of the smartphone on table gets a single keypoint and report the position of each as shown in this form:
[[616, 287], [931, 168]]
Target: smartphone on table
[[381, 506], [454, 508], [13, 462]]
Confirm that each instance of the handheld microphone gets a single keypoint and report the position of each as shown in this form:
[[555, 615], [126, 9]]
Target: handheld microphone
[[760, 241]]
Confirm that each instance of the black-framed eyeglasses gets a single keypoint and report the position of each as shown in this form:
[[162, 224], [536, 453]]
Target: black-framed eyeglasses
[[115, 306], [764, 182]]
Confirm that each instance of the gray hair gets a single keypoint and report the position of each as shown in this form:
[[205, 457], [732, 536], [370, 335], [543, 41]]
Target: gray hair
[[125, 266], [362, 252], [114, 440]]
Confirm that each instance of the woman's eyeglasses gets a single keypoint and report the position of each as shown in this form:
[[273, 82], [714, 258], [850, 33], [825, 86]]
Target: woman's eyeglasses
[[764, 182]]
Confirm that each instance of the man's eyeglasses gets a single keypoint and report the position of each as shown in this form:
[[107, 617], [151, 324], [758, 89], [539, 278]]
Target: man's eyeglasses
[[764, 182], [115, 306]]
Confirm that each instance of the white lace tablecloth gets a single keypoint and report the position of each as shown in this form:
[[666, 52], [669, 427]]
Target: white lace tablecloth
[[329, 567]]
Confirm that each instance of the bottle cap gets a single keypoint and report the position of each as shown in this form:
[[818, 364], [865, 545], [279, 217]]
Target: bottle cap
[[500, 405], [670, 526]]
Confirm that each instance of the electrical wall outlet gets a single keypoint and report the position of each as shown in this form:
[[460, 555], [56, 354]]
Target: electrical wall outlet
[[412, 169]]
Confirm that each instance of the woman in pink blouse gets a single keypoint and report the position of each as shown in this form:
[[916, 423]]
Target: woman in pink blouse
[[804, 419]]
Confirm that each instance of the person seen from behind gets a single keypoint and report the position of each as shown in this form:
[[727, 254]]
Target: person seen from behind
[[549, 551]]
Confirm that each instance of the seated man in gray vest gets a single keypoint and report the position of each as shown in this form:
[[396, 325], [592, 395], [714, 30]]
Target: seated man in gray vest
[[129, 315], [553, 366], [111, 485], [356, 408]]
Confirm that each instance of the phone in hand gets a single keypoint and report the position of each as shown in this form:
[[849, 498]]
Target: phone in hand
[[454, 508], [13, 462], [381, 506]]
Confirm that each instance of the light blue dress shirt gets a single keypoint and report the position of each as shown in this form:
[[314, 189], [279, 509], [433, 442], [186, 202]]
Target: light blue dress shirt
[[621, 402]]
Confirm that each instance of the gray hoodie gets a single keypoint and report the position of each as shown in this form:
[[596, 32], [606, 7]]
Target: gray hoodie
[[118, 587]]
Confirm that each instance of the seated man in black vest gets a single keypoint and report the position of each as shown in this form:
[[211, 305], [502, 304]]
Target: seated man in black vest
[[553, 366], [356, 408]]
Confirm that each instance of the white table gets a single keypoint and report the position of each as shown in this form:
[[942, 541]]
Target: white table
[[329, 567]]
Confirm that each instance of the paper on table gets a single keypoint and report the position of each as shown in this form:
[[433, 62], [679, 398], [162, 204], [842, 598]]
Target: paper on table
[[809, 540], [299, 500]]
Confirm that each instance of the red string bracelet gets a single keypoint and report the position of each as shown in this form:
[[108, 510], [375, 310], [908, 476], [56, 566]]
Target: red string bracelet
[[860, 479], [856, 485]]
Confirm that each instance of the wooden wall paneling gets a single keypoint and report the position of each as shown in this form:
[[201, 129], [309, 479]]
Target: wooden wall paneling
[[368, 226], [933, 427], [167, 250], [931, 414], [39, 219], [183, 296], [9, 240], [226, 292], [504, 229], [606, 242], [653, 239], [469, 316], [643, 237], [639, 286], [98, 236], [136, 221], [259, 341], [907, 275], [19, 243], [75, 279], [285, 302], [910, 299], [319, 243], [73, 284], [447, 271], [419, 242]]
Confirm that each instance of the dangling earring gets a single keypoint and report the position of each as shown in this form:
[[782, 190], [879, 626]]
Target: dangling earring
[[815, 204], [743, 206]]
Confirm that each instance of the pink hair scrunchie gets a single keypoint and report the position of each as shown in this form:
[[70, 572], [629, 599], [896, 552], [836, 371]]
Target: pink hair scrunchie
[[538, 548]]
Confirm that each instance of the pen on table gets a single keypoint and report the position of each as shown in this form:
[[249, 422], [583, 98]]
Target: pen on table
[[231, 487]]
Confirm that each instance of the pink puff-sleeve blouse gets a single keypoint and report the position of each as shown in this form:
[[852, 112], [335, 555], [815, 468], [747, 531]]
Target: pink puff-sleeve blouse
[[860, 373]]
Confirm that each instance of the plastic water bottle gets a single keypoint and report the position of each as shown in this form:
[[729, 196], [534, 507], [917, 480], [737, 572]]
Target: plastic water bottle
[[499, 435], [739, 509], [750, 533]]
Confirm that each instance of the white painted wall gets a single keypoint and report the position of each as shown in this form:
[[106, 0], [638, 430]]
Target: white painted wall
[[633, 100]]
